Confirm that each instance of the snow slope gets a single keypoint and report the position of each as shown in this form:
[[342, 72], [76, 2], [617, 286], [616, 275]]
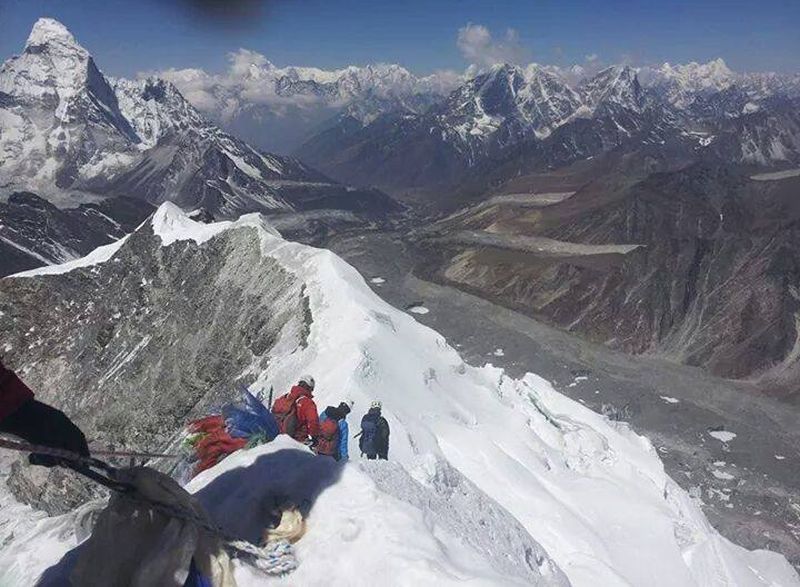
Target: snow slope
[[469, 446]]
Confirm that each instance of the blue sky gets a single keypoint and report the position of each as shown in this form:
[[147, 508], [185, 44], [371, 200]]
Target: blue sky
[[127, 36]]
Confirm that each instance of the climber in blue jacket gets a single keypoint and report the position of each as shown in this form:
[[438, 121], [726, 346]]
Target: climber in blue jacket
[[339, 414]]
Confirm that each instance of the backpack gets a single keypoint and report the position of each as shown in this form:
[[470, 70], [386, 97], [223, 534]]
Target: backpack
[[328, 439], [285, 411], [369, 431]]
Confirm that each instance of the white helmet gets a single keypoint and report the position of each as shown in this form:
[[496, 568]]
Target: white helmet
[[376, 404], [307, 380]]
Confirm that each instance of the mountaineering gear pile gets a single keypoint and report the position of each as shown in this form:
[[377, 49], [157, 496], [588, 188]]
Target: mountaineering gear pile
[[296, 414], [330, 443], [154, 494], [133, 544], [244, 424], [374, 441], [250, 418], [212, 442], [168, 539]]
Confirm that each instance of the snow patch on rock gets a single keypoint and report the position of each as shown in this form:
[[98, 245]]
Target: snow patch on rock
[[722, 435]]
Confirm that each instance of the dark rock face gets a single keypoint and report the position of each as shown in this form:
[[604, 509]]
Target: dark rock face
[[34, 232], [714, 285], [136, 346]]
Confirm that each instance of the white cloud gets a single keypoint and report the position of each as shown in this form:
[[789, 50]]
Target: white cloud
[[195, 85], [479, 47], [251, 83], [591, 57], [245, 62]]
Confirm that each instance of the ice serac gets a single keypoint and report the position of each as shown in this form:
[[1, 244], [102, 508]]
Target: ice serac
[[492, 480]]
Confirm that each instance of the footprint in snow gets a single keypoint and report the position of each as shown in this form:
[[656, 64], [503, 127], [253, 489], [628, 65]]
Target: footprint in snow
[[351, 529]]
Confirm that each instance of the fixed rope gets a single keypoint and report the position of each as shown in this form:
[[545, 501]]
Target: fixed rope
[[276, 558]]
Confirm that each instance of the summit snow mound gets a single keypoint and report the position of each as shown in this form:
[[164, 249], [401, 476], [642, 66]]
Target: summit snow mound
[[491, 480]]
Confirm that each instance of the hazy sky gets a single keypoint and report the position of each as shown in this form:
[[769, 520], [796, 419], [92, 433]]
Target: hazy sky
[[128, 36]]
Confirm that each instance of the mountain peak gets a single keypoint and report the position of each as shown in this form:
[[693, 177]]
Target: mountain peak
[[49, 31]]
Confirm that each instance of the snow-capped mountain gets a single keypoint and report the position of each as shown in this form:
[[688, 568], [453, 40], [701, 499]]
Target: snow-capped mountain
[[682, 85], [60, 119], [523, 118], [491, 480], [504, 105], [486, 120], [73, 136]]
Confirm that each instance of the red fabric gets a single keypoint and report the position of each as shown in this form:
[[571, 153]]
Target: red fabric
[[328, 439], [307, 417], [207, 424], [216, 443], [13, 392], [214, 447]]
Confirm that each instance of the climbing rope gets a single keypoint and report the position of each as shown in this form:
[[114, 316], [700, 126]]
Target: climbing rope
[[275, 558], [135, 455]]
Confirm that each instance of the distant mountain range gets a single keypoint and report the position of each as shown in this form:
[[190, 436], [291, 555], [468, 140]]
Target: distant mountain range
[[71, 137], [278, 108], [512, 120], [315, 112]]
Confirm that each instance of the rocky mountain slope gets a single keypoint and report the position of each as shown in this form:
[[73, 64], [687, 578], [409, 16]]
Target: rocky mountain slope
[[542, 477], [34, 232], [702, 275], [72, 136]]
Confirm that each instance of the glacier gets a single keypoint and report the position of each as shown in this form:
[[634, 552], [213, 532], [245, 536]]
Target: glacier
[[483, 469]]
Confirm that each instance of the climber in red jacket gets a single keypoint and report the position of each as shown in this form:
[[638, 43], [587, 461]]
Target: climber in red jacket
[[296, 412], [38, 423]]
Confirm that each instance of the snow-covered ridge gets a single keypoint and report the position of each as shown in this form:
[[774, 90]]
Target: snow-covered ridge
[[592, 493]]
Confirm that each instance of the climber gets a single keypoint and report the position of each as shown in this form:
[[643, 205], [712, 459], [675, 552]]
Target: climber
[[36, 422], [334, 432], [374, 441], [296, 412]]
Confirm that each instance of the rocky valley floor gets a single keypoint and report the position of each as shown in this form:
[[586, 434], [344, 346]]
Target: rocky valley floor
[[733, 449]]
